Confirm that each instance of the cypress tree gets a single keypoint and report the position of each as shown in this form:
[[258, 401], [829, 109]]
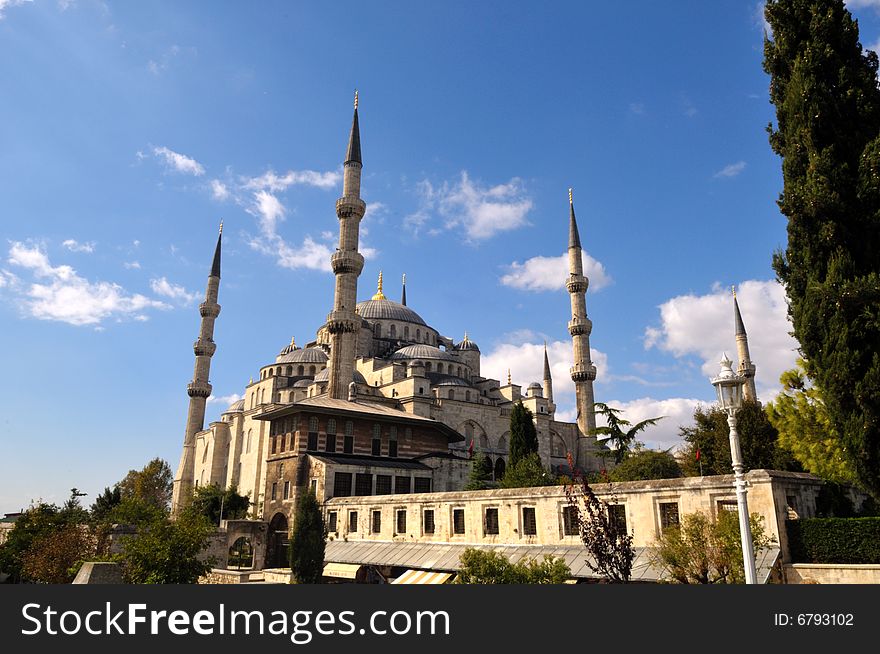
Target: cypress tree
[[824, 87], [307, 540], [523, 436]]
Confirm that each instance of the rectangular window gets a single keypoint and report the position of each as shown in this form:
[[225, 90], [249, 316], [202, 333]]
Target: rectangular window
[[401, 521], [363, 484], [428, 518], [530, 524], [313, 441], [376, 523], [342, 484], [377, 447], [491, 522], [668, 514], [348, 445], [383, 484], [401, 484], [274, 439], [313, 486], [275, 490], [331, 522], [392, 448], [352, 522], [286, 490], [457, 521], [617, 516], [422, 485], [570, 521], [330, 446]]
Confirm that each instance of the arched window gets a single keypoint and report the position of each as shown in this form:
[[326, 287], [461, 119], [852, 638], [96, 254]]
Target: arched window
[[377, 330], [439, 367], [271, 372], [331, 425], [289, 371], [427, 366], [393, 331], [248, 448], [500, 467], [451, 394], [484, 442], [300, 370], [558, 447], [278, 370], [502, 443], [313, 424], [459, 371], [418, 334], [312, 371], [406, 332]]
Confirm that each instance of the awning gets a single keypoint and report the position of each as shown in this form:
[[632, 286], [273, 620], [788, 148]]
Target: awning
[[422, 577], [341, 570]]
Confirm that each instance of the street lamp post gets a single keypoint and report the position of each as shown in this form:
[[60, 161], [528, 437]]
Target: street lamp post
[[729, 387]]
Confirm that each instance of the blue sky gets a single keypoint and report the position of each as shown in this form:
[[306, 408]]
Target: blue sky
[[128, 130]]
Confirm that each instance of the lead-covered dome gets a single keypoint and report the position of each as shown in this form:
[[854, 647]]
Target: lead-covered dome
[[420, 351], [324, 376], [388, 310], [306, 355]]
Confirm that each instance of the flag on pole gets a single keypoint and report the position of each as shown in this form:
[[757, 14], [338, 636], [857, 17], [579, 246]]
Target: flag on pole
[[698, 454]]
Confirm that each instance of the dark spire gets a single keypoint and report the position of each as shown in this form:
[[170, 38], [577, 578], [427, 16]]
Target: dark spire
[[574, 239], [546, 363], [215, 267], [403, 294], [737, 317], [353, 154]]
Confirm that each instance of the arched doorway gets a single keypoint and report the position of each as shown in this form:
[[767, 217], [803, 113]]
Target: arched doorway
[[277, 551], [500, 466], [241, 554]]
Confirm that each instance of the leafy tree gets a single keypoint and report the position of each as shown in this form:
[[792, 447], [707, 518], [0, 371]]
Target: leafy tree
[[307, 540], [168, 552], [646, 464], [703, 551], [488, 567], [527, 472], [710, 434], [481, 473], [609, 545], [622, 440], [523, 435], [151, 484], [824, 87], [105, 503], [56, 556], [39, 521], [209, 500], [799, 415]]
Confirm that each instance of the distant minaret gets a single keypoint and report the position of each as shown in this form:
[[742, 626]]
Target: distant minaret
[[403, 292], [548, 380], [583, 372], [343, 323], [199, 388], [746, 367]]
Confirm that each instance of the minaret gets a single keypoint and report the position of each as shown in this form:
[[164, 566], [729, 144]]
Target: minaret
[[746, 367], [343, 323], [199, 388], [548, 379], [403, 292], [583, 372]]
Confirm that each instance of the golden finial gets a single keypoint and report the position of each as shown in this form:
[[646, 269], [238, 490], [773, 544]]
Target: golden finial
[[508, 377], [379, 294], [570, 199], [221, 225], [355, 98], [293, 341], [251, 381], [733, 288]]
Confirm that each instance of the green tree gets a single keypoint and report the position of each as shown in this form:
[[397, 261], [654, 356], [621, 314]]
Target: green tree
[[488, 567], [523, 435], [799, 415], [527, 472], [40, 521], [209, 501], [307, 541], [151, 484], [703, 551], [168, 552], [56, 556], [481, 473], [642, 464], [613, 429], [824, 87]]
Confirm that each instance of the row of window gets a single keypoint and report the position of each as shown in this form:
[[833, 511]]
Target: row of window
[[392, 333], [301, 371], [280, 442], [362, 483]]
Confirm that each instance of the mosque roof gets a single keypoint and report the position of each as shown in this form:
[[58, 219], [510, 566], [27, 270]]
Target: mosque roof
[[388, 310], [324, 376], [421, 351], [306, 355], [238, 405]]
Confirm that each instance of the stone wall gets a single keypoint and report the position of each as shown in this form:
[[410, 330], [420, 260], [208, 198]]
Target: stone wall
[[830, 573]]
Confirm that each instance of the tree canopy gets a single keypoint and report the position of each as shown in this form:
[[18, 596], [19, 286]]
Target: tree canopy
[[620, 438], [487, 567], [523, 435], [307, 540]]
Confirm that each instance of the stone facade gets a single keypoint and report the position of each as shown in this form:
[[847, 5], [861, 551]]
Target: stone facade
[[830, 573]]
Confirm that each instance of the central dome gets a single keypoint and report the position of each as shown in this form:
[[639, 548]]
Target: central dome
[[388, 310]]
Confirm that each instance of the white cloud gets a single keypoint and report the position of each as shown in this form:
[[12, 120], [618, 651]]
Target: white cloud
[[132, 265], [66, 297], [219, 190], [678, 411], [76, 246], [550, 273], [165, 288], [224, 400], [179, 162], [480, 210], [268, 210], [730, 170], [702, 325], [5, 4], [166, 58], [271, 181]]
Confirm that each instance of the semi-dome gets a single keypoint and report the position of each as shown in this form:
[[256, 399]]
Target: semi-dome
[[421, 351], [302, 383], [307, 355], [324, 376], [388, 310], [238, 405]]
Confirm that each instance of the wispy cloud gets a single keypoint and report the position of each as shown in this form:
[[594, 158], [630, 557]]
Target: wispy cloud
[[5, 4], [76, 246], [219, 190], [132, 265], [179, 162], [481, 211], [224, 400], [550, 273], [59, 293], [730, 170], [164, 60], [271, 181], [175, 292]]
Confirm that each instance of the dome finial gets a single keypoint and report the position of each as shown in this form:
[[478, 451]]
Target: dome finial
[[355, 98], [379, 294], [221, 225], [508, 377], [570, 198], [733, 290]]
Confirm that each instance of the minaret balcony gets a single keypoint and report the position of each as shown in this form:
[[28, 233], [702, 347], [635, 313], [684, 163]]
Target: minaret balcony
[[199, 389], [577, 284], [580, 326], [346, 261], [209, 309], [350, 206], [583, 372], [204, 348], [343, 322]]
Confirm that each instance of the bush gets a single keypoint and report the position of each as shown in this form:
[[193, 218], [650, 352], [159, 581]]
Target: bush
[[526, 473], [834, 540], [487, 567]]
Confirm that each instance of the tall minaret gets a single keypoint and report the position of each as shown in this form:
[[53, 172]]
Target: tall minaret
[[199, 388], [583, 372], [548, 381], [746, 367], [403, 292], [343, 323]]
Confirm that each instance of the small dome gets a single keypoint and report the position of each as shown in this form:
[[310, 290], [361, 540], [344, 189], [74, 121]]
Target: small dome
[[308, 355], [324, 376], [236, 406], [288, 348], [421, 352], [467, 344], [535, 385], [451, 381], [388, 310]]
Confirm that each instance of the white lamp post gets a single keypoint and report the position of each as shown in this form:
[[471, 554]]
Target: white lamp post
[[729, 387]]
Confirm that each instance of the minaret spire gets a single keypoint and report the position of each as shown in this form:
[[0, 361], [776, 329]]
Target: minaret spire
[[403, 292], [548, 380], [583, 372], [343, 323], [746, 367], [199, 389]]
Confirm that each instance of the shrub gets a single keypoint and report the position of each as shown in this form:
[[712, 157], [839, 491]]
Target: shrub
[[834, 540]]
